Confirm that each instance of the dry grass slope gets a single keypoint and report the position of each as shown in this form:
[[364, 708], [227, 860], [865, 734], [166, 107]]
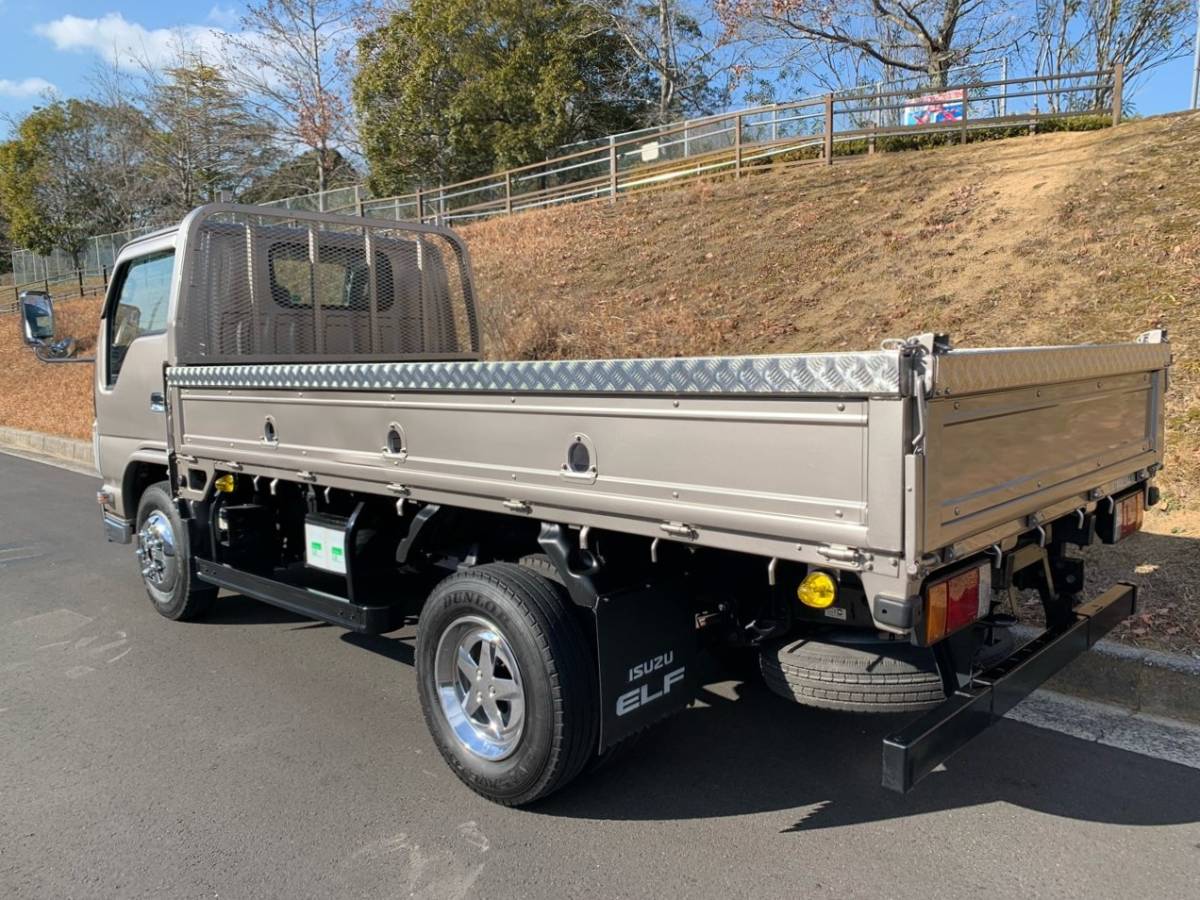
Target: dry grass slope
[[1057, 238]]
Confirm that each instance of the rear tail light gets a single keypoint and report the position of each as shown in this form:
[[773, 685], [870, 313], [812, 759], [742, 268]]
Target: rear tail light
[[1122, 519], [955, 601], [1128, 518]]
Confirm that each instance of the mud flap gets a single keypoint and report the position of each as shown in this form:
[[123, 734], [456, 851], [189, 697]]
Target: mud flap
[[646, 648]]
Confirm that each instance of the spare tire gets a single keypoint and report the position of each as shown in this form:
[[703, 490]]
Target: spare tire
[[864, 675]]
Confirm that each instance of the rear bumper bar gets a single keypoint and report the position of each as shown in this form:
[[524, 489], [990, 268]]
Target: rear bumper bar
[[917, 749]]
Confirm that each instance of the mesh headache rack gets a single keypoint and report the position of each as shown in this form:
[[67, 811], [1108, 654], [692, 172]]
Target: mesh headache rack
[[274, 287]]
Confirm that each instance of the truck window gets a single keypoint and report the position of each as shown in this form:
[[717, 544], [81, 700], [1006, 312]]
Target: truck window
[[141, 305], [339, 278]]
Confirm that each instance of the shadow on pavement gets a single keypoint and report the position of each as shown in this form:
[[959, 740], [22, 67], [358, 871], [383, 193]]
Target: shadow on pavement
[[756, 753], [236, 609], [741, 750]]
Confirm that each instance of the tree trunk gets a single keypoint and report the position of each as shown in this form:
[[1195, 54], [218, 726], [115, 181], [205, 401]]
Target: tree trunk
[[666, 58]]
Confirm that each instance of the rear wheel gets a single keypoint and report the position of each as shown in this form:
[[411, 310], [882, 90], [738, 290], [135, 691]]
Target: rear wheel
[[165, 554], [507, 680], [867, 675]]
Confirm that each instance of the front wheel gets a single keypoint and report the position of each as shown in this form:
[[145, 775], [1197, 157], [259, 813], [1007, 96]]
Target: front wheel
[[507, 681], [165, 555]]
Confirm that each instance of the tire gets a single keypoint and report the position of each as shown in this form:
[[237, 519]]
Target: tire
[[169, 576], [536, 642], [540, 563], [871, 676]]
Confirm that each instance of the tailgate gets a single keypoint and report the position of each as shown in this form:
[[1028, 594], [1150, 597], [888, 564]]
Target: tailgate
[[1013, 432]]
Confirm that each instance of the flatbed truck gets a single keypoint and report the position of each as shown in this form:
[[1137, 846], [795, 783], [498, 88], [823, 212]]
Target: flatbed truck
[[293, 406]]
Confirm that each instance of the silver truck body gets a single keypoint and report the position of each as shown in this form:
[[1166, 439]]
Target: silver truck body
[[755, 455], [884, 462], [333, 357]]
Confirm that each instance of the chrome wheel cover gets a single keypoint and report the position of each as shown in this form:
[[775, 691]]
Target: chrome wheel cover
[[479, 688], [156, 549]]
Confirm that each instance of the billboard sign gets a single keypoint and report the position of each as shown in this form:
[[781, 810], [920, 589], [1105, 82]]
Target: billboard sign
[[936, 109]]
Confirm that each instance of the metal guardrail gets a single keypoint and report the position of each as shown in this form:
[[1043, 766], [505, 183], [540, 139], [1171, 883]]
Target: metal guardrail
[[75, 279], [814, 130]]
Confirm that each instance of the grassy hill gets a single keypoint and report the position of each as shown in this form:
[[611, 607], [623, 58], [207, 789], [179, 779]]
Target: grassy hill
[[1057, 238]]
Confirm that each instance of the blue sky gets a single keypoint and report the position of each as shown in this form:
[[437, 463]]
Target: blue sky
[[51, 43]]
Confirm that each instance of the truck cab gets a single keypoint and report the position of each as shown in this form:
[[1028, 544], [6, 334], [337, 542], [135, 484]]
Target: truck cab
[[130, 430]]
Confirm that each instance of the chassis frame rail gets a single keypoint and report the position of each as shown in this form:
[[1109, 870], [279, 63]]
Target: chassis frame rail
[[917, 749]]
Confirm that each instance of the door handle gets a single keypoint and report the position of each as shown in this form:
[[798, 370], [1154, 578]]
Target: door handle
[[157, 403]]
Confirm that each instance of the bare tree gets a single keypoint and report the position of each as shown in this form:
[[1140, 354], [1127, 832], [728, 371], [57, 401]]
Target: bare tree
[[290, 57], [120, 159], [669, 38], [1080, 35], [204, 138], [921, 37]]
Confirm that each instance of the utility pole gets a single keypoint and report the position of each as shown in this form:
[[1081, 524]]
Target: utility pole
[[1196, 63]]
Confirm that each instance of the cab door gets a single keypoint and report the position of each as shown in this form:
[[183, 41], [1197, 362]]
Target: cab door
[[131, 422]]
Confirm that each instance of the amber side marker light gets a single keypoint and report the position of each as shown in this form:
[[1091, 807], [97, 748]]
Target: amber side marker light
[[817, 590], [955, 601]]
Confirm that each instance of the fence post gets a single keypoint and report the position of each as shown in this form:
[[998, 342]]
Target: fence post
[[508, 193], [80, 274], [737, 146], [828, 148], [612, 169], [420, 208], [358, 202], [876, 117], [966, 106], [1118, 89], [1004, 86], [104, 275]]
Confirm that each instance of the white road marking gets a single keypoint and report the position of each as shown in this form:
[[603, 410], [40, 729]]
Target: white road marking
[[473, 836], [434, 875], [47, 626], [1112, 726]]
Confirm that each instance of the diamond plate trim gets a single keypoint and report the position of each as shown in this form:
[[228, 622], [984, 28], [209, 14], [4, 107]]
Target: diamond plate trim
[[974, 371], [870, 373]]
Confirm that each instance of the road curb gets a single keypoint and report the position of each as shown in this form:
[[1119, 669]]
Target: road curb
[[48, 447], [1166, 685]]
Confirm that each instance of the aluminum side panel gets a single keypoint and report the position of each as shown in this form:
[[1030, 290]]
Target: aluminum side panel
[[886, 436], [962, 372], [991, 458], [793, 469]]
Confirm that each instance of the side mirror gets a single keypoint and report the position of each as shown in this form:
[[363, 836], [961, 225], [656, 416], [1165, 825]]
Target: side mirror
[[37, 317]]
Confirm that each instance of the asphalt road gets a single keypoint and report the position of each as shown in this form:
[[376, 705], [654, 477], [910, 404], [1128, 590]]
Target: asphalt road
[[259, 754]]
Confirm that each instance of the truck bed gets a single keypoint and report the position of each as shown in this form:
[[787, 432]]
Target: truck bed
[[810, 457]]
